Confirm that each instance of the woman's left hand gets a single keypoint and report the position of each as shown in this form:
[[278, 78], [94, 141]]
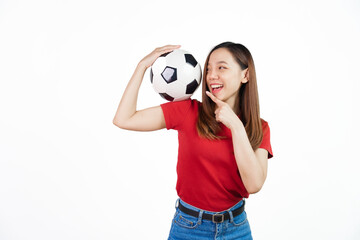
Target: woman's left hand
[[224, 113]]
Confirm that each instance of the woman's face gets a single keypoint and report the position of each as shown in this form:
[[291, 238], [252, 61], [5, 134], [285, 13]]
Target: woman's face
[[224, 76]]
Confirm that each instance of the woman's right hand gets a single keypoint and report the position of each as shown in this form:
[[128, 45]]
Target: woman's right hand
[[149, 119], [148, 60]]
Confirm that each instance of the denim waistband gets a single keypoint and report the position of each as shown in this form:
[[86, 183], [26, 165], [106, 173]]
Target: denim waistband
[[239, 204]]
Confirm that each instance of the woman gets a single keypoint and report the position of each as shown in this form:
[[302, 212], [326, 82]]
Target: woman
[[224, 145]]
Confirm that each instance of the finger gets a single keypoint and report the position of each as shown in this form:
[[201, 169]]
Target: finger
[[163, 50], [215, 99], [210, 95], [172, 46], [160, 51], [168, 48]]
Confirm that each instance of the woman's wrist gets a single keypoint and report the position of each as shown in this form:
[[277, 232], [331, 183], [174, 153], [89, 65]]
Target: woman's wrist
[[237, 126], [142, 66]]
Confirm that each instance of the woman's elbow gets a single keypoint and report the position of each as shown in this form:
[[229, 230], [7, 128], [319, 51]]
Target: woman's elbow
[[254, 188], [119, 124]]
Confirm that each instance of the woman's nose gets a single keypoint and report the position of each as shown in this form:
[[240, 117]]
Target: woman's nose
[[212, 75]]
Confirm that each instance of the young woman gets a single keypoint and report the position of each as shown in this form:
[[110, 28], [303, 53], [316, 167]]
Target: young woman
[[224, 145]]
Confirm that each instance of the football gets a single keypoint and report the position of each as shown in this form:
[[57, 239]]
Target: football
[[175, 75]]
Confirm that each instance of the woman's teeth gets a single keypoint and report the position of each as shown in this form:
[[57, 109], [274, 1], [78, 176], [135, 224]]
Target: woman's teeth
[[216, 86]]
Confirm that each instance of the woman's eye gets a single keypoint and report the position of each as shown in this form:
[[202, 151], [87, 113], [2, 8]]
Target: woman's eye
[[221, 67]]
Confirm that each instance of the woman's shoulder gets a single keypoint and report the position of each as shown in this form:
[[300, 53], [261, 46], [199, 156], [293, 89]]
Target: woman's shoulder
[[189, 102], [183, 106], [195, 101], [266, 138], [264, 124], [194, 104], [263, 121]]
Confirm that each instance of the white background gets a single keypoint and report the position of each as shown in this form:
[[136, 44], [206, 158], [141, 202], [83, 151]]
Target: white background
[[66, 172]]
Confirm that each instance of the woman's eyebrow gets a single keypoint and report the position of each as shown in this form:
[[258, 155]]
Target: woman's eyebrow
[[219, 62]]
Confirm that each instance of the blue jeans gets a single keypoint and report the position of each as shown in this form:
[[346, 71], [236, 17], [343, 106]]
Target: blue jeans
[[185, 226]]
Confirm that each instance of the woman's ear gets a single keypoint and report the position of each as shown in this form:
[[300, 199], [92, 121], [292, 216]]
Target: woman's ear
[[245, 75]]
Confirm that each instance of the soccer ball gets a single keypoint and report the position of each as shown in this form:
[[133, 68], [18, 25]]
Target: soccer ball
[[175, 75]]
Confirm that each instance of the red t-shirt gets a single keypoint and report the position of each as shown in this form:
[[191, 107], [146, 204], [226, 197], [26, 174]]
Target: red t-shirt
[[208, 176]]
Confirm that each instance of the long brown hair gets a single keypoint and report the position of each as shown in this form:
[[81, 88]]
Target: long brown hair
[[247, 103]]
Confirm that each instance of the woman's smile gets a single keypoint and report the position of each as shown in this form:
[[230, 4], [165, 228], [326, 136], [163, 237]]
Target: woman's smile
[[216, 87]]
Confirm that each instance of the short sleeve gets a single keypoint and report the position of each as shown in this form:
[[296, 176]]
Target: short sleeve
[[265, 144], [175, 113]]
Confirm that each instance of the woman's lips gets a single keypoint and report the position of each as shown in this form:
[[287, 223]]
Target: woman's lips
[[215, 88]]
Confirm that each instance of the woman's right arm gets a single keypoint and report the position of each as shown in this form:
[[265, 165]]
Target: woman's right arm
[[149, 119]]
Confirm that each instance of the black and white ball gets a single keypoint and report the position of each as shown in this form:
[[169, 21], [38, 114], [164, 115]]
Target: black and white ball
[[175, 75]]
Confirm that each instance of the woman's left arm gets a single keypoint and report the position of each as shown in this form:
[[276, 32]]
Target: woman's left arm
[[252, 164]]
